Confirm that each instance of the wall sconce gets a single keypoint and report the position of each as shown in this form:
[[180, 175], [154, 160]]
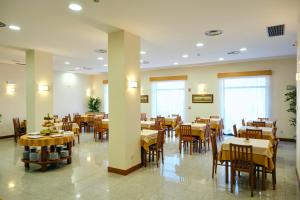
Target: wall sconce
[[298, 76], [132, 84], [10, 88], [43, 88]]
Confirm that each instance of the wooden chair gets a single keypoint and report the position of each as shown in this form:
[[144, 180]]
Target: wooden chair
[[259, 124], [105, 116], [186, 137], [243, 122], [158, 148], [262, 118], [206, 138], [156, 126], [241, 159], [98, 129], [274, 124], [67, 126], [221, 129], [143, 116], [77, 119], [90, 122], [274, 132], [69, 118], [235, 133], [214, 147], [18, 130], [254, 133], [201, 120], [65, 119], [273, 172]]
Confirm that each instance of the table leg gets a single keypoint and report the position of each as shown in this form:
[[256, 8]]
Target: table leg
[[26, 165], [44, 157], [226, 172], [263, 178], [69, 146]]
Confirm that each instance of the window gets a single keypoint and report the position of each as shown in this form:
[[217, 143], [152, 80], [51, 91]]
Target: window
[[105, 98], [168, 97], [244, 97]]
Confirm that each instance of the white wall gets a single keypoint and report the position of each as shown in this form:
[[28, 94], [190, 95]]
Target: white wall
[[298, 102], [69, 92], [12, 105], [283, 74]]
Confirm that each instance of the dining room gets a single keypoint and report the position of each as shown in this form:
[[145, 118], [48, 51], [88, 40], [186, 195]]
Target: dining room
[[120, 111]]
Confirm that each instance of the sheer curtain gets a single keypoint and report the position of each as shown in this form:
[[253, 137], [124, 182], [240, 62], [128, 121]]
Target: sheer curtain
[[168, 97], [244, 97], [105, 98]]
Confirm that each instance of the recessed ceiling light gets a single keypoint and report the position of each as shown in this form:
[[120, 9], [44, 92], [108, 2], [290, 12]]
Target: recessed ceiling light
[[14, 27], [75, 7], [67, 63], [185, 55], [175, 63], [243, 49], [221, 59], [143, 52], [106, 65], [213, 32], [77, 68], [100, 58], [199, 44]]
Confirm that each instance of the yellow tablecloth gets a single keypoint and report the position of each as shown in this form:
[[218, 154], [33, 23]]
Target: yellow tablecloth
[[147, 124], [148, 138], [268, 123], [262, 150], [59, 125], [198, 129], [170, 121], [105, 123], [46, 140], [267, 132]]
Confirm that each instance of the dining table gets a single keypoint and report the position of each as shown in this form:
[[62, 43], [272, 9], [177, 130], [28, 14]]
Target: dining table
[[148, 138], [262, 152], [198, 129], [267, 132], [269, 123], [147, 124]]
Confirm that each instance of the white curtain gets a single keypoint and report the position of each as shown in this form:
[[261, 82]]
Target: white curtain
[[105, 98], [244, 97], [168, 97]]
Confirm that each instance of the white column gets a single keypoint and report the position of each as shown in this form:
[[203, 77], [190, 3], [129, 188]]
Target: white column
[[124, 102], [39, 100], [298, 102]]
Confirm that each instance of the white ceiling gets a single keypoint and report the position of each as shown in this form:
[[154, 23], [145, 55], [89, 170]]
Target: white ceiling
[[168, 29]]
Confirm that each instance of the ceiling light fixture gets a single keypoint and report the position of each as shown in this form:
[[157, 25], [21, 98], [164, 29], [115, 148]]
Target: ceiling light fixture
[[221, 59], [243, 49], [175, 63], [67, 63], [100, 58], [14, 27], [143, 52], [213, 32], [75, 7], [185, 55], [77, 68], [199, 44], [105, 65]]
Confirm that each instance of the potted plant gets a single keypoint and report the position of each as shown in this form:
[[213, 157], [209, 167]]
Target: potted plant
[[94, 104], [291, 97]]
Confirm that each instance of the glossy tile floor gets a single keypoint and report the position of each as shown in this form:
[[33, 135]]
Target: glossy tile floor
[[181, 177]]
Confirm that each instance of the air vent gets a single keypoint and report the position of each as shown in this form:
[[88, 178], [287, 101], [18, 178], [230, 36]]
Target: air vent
[[2, 24], [101, 51], [233, 52], [213, 32], [276, 30]]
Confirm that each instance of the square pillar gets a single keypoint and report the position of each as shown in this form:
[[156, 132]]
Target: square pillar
[[124, 102], [39, 81]]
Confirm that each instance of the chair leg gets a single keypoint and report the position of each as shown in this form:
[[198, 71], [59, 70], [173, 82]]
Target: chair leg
[[213, 169], [274, 179], [78, 138], [231, 179], [191, 147], [162, 155], [252, 181]]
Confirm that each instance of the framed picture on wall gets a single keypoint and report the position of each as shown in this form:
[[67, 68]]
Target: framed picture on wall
[[144, 98], [202, 98]]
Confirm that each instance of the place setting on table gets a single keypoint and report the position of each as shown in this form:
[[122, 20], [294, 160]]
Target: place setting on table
[[49, 146]]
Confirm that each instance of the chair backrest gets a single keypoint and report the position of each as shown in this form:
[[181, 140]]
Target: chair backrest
[[202, 120], [64, 119], [67, 126], [105, 116], [214, 117], [262, 118], [213, 140], [77, 119], [97, 123], [235, 131], [207, 131], [241, 156], [275, 147], [274, 131], [69, 117], [243, 122], [55, 116], [259, 124], [162, 120], [156, 126], [90, 119], [274, 124], [178, 120], [160, 139], [254, 133], [143, 116], [16, 123], [185, 130]]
